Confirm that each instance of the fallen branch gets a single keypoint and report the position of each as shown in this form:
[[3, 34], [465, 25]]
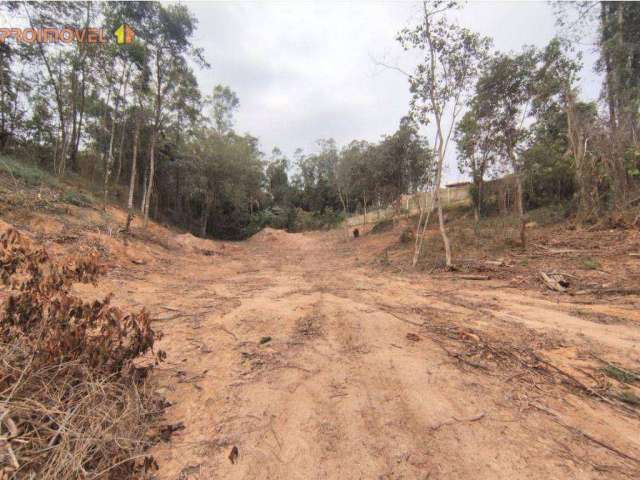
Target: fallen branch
[[576, 430], [562, 251], [475, 418], [609, 291], [465, 277], [574, 381], [410, 322]]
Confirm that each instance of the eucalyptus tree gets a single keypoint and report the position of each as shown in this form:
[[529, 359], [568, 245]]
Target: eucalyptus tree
[[278, 178], [440, 86], [14, 89], [61, 64], [555, 83], [618, 35], [225, 178], [167, 32], [317, 177], [507, 85], [357, 174], [476, 151], [402, 162], [224, 104]]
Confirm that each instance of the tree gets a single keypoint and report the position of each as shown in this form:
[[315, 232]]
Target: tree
[[167, 32], [476, 152], [13, 87], [402, 162], [548, 170], [224, 104], [225, 178], [357, 174], [60, 64], [439, 86], [507, 86], [317, 178], [278, 178], [617, 25], [556, 83]]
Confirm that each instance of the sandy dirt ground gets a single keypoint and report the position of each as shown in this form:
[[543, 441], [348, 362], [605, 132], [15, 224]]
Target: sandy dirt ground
[[292, 351]]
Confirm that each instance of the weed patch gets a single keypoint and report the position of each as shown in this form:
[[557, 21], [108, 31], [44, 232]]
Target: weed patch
[[590, 264], [629, 398], [620, 374]]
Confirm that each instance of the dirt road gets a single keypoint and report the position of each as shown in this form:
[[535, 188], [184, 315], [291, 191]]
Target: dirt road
[[316, 365]]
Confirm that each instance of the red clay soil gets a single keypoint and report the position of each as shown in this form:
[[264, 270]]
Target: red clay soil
[[298, 356]]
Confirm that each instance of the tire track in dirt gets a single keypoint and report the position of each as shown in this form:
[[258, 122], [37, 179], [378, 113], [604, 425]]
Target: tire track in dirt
[[341, 391]]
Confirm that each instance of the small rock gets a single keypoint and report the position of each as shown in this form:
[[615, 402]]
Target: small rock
[[233, 456]]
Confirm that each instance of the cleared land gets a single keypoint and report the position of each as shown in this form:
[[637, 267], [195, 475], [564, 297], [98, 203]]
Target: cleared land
[[317, 356]]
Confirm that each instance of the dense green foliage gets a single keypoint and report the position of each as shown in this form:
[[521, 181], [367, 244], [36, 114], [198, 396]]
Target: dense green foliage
[[133, 120]]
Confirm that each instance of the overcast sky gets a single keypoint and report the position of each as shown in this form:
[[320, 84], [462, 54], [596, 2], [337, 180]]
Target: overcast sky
[[307, 70]]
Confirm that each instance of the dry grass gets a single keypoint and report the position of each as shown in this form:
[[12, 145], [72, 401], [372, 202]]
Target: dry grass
[[64, 420], [73, 404]]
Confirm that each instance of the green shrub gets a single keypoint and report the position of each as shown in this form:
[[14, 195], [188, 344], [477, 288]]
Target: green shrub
[[549, 215], [305, 221], [382, 226], [27, 172], [77, 198], [407, 235]]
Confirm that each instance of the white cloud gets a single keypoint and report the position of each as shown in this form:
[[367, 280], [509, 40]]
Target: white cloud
[[304, 70]]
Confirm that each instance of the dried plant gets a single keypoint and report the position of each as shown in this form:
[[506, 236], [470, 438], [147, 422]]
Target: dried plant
[[72, 402]]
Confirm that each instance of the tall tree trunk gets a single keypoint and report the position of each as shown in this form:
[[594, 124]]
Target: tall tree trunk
[[121, 150], [606, 54], [124, 79], [575, 136], [438, 200], [154, 138], [149, 188], [440, 139], [123, 127], [134, 171], [364, 206], [478, 200], [436, 190], [108, 164], [205, 215], [521, 213], [143, 200], [74, 117], [76, 140], [77, 123]]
